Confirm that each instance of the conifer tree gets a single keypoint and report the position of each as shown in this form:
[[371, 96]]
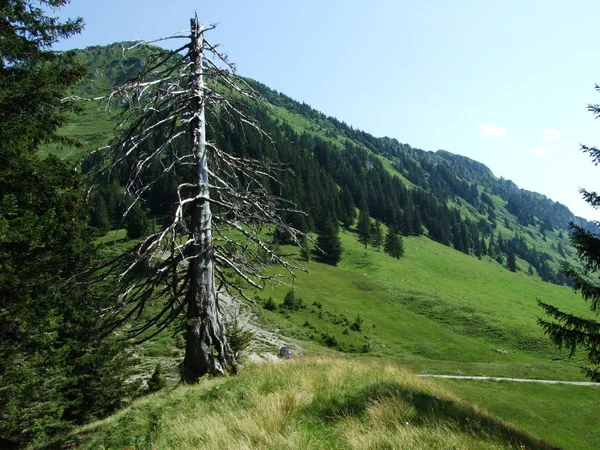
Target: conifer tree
[[568, 330], [137, 222], [483, 246], [54, 373], [157, 381], [364, 227], [393, 244], [329, 243], [376, 235], [491, 247], [511, 261], [99, 215], [34, 77]]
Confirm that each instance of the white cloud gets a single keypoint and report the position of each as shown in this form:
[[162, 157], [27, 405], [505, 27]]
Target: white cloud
[[493, 131], [552, 133], [542, 150]]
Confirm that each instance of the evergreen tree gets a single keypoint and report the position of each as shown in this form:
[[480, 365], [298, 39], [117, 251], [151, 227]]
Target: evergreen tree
[[157, 381], [393, 244], [329, 243], [99, 215], [491, 247], [54, 373], [376, 235], [501, 246], [477, 249], [364, 227], [511, 261], [348, 208], [137, 222], [569, 330], [34, 78]]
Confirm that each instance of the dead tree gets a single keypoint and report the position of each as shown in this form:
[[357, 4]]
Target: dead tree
[[196, 248]]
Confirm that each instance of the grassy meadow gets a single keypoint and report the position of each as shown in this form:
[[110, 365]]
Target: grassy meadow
[[318, 402], [567, 416], [436, 310]]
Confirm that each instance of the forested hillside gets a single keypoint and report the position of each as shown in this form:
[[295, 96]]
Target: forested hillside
[[420, 297], [339, 171]]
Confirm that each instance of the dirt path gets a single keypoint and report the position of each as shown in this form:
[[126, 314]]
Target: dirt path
[[517, 380]]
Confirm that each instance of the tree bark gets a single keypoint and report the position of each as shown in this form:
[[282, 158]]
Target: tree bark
[[206, 348]]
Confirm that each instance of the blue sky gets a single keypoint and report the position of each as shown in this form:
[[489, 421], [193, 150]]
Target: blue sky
[[505, 83]]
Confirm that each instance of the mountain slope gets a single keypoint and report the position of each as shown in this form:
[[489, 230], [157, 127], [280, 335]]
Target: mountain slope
[[439, 309], [453, 199]]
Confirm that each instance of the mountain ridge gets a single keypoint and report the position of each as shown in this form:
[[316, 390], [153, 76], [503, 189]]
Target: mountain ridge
[[392, 144], [454, 199]]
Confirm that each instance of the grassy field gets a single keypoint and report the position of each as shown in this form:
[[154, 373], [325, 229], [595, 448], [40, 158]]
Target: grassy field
[[436, 310], [318, 402], [567, 416]]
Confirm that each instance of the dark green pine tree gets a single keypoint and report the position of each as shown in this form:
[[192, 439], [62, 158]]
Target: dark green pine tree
[[329, 243], [157, 381], [511, 260], [568, 330], [376, 235], [348, 208], [364, 227], [477, 248], [32, 75], [54, 373], [393, 244], [137, 222], [491, 247], [99, 217]]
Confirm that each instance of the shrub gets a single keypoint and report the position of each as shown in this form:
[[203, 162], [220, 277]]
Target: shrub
[[238, 337], [357, 324], [330, 341], [270, 305], [157, 381], [290, 302]]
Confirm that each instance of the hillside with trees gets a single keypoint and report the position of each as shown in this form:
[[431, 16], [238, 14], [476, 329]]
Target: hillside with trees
[[116, 259], [338, 171]]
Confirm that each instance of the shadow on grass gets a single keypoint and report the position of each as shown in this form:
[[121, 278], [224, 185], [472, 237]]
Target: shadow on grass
[[429, 410]]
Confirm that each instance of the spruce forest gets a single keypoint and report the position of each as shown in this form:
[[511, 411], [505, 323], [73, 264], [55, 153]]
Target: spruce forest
[[169, 228]]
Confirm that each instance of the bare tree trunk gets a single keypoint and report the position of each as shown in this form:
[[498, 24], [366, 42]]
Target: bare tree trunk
[[167, 105], [206, 348]]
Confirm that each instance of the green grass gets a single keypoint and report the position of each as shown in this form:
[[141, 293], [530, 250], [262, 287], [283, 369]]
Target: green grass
[[437, 310], [434, 311], [93, 127], [566, 416], [318, 402]]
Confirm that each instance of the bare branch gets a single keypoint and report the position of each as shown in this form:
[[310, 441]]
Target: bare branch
[[164, 134]]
